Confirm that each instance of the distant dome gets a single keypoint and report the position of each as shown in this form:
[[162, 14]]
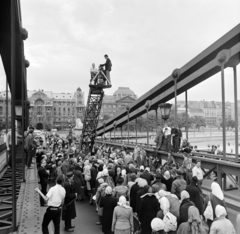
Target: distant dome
[[124, 91], [79, 89]]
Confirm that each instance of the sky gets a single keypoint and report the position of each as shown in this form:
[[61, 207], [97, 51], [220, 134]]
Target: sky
[[145, 40]]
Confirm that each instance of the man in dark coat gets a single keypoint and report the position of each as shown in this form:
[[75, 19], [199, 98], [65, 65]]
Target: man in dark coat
[[175, 139], [149, 206], [147, 176], [69, 210], [185, 204], [195, 194], [108, 67], [108, 203], [43, 176], [133, 196], [93, 178]]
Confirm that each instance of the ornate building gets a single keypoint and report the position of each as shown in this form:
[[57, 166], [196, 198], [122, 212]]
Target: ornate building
[[52, 110], [113, 104]]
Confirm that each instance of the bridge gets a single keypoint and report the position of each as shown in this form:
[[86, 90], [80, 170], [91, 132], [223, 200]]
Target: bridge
[[20, 210]]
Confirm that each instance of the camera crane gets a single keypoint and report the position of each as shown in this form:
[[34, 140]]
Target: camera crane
[[94, 104]]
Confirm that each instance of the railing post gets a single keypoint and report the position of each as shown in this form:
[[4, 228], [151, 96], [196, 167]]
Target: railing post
[[147, 106], [104, 129], [128, 109], [219, 175], [156, 120], [13, 133], [114, 125], [23, 127], [121, 134], [236, 111], [186, 105], [136, 129]]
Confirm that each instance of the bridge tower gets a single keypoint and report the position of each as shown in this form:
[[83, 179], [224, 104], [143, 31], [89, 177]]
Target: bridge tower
[[93, 109]]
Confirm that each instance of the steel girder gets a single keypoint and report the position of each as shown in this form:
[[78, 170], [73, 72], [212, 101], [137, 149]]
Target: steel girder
[[91, 118]]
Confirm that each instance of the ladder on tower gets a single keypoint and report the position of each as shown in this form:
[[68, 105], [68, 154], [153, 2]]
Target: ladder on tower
[[94, 104]]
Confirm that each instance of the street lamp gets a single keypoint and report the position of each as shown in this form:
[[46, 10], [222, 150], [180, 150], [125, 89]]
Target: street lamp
[[165, 109], [128, 109], [114, 125], [147, 106]]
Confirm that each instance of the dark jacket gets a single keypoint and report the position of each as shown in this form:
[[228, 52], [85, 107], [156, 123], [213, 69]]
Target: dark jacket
[[43, 175], [78, 181], [149, 207], [93, 177], [168, 183], [108, 65], [133, 196], [108, 203], [183, 211], [138, 199], [195, 196], [178, 186], [147, 176], [69, 210]]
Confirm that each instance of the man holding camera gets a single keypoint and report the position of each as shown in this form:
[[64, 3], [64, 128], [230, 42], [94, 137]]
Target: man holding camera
[[108, 67]]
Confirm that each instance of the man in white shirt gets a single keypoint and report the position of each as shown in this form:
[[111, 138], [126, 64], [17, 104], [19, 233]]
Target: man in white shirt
[[54, 198], [197, 171], [93, 72]]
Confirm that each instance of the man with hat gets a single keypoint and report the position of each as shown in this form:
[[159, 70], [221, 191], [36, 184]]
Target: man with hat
[[179, 184], [69, 210]]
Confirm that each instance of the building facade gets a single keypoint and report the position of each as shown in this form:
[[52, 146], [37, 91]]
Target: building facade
[[113, 104], [50, 110]]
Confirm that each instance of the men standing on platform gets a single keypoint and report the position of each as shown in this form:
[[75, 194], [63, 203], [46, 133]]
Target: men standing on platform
[[69, 209], [175, 139], [108, 67], [30, 147], [197, 171], [159, 138], [43, 176], [93, 72], [54, 198]]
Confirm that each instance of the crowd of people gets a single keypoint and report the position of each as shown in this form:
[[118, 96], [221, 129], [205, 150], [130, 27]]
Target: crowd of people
[[129, 192]]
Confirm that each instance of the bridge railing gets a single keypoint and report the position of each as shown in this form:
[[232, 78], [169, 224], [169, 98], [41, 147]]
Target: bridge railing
[[209, 163]]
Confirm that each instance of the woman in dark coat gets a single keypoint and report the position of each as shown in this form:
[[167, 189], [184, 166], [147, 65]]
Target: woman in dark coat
[[108, 203], [133, 195], [167, 180], [185, 204], [78, 183], [69, 210], [194, 193], [149, 207]]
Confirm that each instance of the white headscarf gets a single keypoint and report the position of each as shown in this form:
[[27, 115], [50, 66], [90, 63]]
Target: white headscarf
[[220, 211], [123, 202], [217, 191], [164, 204], [157, 225], [184, 195], [166, 175]]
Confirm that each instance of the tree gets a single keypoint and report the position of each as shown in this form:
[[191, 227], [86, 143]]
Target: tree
[[229, 124], [199, 122]]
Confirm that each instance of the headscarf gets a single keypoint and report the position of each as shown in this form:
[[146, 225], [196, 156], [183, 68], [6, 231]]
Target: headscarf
[[220, 211], [108, 190], [184, 195], [157, 225], [105, 172], [167, 175], [86, 163], [123, 202], [164, 205], [123, 172], [141, 182], [217, 191], [194, 220]]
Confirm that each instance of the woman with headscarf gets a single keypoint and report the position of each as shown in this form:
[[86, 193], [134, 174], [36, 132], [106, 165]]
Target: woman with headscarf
[[107, 203], [120, 189], [87, 176], [221, 224], [148, 209], [174, 203], [122, 222], [216, 197], [193, 225], [185, 204], [142, 183], [158, 226], [167, 180]]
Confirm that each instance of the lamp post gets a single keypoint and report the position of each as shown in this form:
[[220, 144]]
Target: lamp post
[[114, 125], [147, 106], [128, 109], [165, 109], [175, 75]]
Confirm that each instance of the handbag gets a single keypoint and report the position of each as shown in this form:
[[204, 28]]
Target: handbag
[[208, 213]]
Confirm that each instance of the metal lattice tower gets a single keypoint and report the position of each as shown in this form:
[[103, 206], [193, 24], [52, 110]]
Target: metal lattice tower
[[94, 104]]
